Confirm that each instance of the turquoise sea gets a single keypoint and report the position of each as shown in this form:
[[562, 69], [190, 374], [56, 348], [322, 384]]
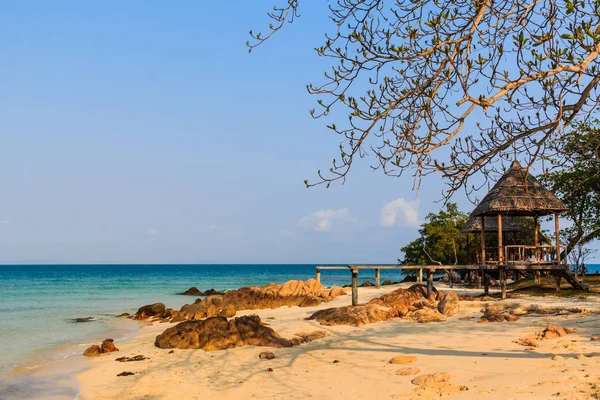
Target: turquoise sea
[[39, 302]]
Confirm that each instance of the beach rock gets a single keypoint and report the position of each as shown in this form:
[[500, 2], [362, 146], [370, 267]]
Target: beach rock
[[126, 373], [403, 360], [494, 314], [211, 292], [151, 310], [108, 346], [354, 316], [266, 355], [291, 293], [217, 333], [336, 361], [407, 371], [92, 351], [178, 318], [387, 282], [310, 301], [551, 332], [228, 311], [307, 337], [595, 338], [130, 359], [366, 284], [449, 305], [430, 379], [83, 319], [193, 291], [426, 315], [124, 315], [402, 299]]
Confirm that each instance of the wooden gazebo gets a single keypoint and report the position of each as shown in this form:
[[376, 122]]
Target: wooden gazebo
[[518, 194]]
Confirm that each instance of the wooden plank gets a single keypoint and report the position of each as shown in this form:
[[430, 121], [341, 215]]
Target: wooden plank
[[355, 287], [420, 276], [332, 267], [377, 277]]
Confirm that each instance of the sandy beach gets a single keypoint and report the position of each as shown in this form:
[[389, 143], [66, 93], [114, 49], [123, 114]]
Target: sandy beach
[[353, 362]]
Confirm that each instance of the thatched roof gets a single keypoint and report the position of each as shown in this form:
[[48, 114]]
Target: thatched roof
[[509, 224], [519, 193]]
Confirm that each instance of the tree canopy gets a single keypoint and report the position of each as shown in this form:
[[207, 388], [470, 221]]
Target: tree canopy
[[440, 239], [452, 86], [577, 182]]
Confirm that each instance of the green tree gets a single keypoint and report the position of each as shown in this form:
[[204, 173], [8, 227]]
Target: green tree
[[575, 179], [451, 86], [440, 239]]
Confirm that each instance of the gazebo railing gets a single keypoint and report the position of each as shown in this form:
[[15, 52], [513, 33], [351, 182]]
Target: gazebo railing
[[545, 254]]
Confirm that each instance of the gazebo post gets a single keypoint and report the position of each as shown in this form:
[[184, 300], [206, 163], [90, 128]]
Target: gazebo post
[[557, 228], [486, 287], [536, 242], [501, 269]]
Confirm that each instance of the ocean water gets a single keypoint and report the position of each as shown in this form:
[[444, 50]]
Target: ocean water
[[39, 302]]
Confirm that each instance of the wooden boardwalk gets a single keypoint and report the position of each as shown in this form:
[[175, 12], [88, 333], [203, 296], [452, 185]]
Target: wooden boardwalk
[[559, 270]]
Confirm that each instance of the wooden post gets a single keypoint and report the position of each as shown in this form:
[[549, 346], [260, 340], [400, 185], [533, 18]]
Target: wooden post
[[420, 276], [483, 259], [557, 229], [536, 236], [500, 247], [558, 279], [479, 279], [486, 284], [318, 277], [354, 287], [502, 272], [468, 250], [538, 278], [429, 282], [377, 277]]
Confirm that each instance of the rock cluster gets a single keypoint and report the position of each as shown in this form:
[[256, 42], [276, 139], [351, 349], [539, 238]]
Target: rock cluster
[[291, 293], [411, 303], [495, 314], [217, 333], [551, 332], [354, 316], [107, 346], [194, 291]]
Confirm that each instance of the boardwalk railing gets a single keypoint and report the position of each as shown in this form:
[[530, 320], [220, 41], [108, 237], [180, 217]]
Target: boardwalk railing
[[431, 269]]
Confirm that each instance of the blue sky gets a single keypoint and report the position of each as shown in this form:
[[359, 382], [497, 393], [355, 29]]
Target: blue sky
[[140, 132]]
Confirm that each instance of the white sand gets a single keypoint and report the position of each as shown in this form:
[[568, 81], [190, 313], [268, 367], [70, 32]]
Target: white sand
[[478, 356]]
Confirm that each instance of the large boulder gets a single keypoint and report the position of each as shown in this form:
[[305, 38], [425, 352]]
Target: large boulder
[[151, 310], [108, 346], [402, 299], [448, 305], [92, 351], [217, 333], [354, 315], [193, 291]]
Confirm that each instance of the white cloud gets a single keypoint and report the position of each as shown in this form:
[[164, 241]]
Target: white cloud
[[401, 213], [328, 220]]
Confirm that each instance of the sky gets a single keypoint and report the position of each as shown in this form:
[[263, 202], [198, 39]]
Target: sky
[[141, 132]]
